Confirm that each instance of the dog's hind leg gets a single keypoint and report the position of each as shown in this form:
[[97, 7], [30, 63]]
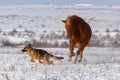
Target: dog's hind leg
[[46, 59]]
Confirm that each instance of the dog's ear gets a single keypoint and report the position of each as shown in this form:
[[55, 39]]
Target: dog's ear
[[29, 45], [64, 21]]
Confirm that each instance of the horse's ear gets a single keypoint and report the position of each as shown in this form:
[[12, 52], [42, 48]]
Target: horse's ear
[[68, 15], [64, 21]]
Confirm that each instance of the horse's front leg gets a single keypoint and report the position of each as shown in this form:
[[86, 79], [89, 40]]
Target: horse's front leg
[[72, 44], [80, 52]]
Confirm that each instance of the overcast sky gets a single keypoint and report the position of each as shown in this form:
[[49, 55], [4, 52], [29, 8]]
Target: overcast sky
[[59, 2]]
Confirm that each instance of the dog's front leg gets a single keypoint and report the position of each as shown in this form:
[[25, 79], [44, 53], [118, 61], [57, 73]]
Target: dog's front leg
[[39, 59], [32, 60]]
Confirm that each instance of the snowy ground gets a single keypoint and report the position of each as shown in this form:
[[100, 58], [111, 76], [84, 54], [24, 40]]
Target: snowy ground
[[97, 64]]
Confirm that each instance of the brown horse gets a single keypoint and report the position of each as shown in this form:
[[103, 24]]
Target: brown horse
[[78, 31]]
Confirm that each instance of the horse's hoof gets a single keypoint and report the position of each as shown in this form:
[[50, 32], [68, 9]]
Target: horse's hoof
[[69, 60], [73, 54], [74, 62], [80, 60]]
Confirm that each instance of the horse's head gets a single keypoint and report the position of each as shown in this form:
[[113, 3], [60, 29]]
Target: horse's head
[[67, 23]]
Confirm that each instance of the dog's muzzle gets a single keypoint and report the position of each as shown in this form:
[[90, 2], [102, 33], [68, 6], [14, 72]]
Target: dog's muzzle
[[23, 50]]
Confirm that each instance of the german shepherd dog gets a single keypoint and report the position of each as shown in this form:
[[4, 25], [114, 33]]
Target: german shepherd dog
[[39, 54]]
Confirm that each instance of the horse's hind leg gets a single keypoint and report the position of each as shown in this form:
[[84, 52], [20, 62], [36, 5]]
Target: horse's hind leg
[[72, 44]]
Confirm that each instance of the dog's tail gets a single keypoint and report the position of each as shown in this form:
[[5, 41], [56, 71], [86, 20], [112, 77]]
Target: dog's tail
[[56, 57]]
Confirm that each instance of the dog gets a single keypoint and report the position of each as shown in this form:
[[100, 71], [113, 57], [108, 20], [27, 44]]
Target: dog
[[39, 54]]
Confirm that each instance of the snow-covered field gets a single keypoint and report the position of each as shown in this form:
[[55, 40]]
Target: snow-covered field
[[97, 64], [42, 17]]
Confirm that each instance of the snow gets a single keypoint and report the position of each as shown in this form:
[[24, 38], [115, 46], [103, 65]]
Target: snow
[[97, 64]]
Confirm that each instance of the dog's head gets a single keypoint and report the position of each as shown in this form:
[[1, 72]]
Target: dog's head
[[26, 48]]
